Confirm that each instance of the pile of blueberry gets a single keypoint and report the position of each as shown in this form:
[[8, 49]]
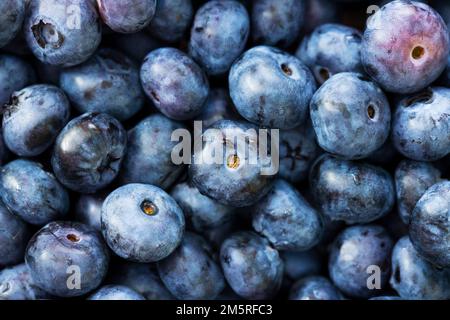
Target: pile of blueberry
[[355, 95]]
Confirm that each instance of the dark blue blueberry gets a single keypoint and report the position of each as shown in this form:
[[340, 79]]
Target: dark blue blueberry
[[430, 225], [88, 152], [354, 192], [218, 107], [33, 118], [350, 115], [319, 12], [277, 22], [314, 288], [172, 19], [67, 259], [149, 155], [201, 211], [88, 209], [142, 223], [301, 264], [127, 16], [116, 292], [191, 272], [177, 86], [135, 45], [412, 179], [414, 278], [15, 74], [405, 46], [11, 19], [236, 179], [331, 49], [14, 235], [352, 255], [421, 125], [62, 32], [253, 269], [32, 193], [218, 35], [108, 82], [16, 284], [271, 88], [286, 219]]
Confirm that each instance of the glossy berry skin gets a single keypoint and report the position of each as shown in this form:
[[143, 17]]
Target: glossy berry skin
[[171, 20], [88, 152], [331, 49], [127, 16], [347, 126], [14, 235], [32, 193], [414, 278], [16, 284], [277, 23], [253, 269], [217, 107], [11, 19], [108, 82], [421, 125], [412, 179], [300, 264], [314, 288], [286, 219], [430, 225], [62, 32], [15, 74], [116, 292], [201, 211], [191, 272], [271, 88], [177, 86], [58, 249], [148, 159], [88, 209], [354, 192], [236, 180], [405, 46], [128, 214], [33, 118], [218, 35], [353, 252]]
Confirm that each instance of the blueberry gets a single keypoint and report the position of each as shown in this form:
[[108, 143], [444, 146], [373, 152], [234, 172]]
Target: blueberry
[[33, 118], [128, 214], [218, 35], [253, 269], [88, 209], [62, 32], [350, 115], [200, 211], [354, 192], [217, 107], [331, 49], [63, 253], [314, 288], [386, 298], [277, 23], [421, 125], [116, 292], [175, 83], [11, 19], [190, 272], [355, 250], [88, 152], [15, 74], [108, 82], [236, 179], [430, 225], [414, 278], [32, 193], [412, 179], [172, 19], [286, 219], [16, 284], [135, 45], [319, 12], [14, 235], [149, 156], [127, 16], [271, 88], [405, 46], [301, 264]]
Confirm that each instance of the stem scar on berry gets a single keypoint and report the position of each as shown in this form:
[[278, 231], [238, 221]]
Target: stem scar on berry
[[149, 208]]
